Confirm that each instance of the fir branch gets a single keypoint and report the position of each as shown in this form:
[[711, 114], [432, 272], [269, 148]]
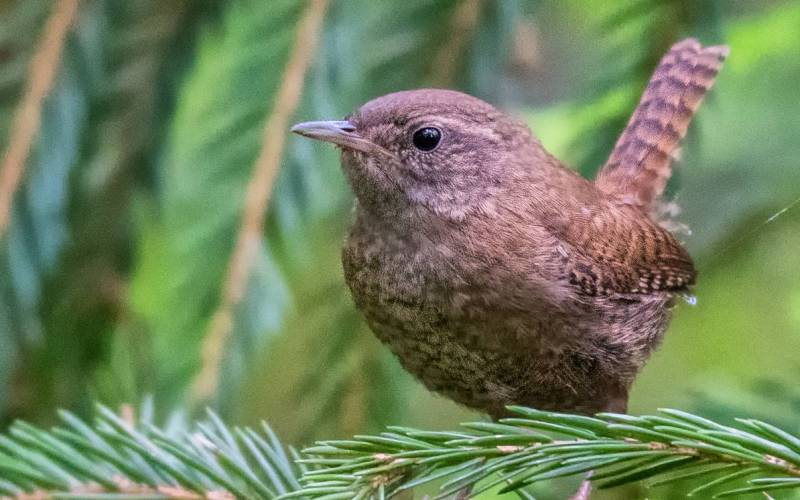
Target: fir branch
[[257, 199], [123, 458], [115, 458], [537, 446], [43, 72], [464, 21]]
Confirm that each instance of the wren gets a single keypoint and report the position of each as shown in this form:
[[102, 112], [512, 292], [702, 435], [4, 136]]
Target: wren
[[496, 274]]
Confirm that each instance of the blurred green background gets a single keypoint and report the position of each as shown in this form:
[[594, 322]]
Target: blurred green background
[[125, 224]]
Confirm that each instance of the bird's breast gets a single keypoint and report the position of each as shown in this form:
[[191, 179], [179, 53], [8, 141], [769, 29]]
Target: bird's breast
[[487, 335], [396, 284], [445, 326]]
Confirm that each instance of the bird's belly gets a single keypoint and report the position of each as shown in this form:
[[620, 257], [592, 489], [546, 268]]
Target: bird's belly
[[413, 317], [406, 312], [412, 313], [479, 378]]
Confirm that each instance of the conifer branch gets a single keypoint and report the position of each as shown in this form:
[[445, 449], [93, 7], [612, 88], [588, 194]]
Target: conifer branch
[[464, 20], [257, 199], [117, 458], [27, 120], [536, 446]]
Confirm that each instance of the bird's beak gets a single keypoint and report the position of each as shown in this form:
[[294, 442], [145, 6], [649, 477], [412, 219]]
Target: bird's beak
[[341, 133]]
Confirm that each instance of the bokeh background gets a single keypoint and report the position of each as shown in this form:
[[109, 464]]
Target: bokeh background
[[135, 263]]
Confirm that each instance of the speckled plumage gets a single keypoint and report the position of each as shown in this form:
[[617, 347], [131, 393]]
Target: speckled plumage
[[495, 274]]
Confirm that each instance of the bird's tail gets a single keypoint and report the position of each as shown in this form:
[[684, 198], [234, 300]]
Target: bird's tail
[[641, 162]]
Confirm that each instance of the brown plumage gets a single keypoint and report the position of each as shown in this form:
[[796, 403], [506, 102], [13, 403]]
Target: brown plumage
[[497, 275], [641, 162]]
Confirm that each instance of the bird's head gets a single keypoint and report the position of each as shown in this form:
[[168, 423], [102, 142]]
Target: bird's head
[[439, 149]]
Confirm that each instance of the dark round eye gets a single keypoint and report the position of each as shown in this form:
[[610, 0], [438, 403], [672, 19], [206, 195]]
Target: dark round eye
[[427, 138]]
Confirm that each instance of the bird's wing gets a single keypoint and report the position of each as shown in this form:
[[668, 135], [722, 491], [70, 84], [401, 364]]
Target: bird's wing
[[612, 251]]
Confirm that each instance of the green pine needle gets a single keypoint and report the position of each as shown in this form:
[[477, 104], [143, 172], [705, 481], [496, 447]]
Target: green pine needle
[[116, 458]]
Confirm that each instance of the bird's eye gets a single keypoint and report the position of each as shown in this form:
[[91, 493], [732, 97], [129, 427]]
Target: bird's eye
[[427, 138]]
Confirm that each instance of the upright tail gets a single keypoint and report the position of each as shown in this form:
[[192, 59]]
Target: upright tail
[[641, 163]]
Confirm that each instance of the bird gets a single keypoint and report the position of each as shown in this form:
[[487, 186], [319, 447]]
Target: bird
[[496, 274]]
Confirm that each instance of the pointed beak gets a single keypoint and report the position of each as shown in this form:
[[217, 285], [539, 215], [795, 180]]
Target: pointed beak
[[341, 133]]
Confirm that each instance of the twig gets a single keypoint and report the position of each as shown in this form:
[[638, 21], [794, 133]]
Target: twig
[[463, 23], [258, 191], [584, 491], [27, 120]]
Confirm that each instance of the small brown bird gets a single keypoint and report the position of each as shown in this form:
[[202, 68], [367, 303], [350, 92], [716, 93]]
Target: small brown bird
[[494, 273]]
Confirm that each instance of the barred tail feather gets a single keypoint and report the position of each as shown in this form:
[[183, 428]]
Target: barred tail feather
[[641, 163]]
